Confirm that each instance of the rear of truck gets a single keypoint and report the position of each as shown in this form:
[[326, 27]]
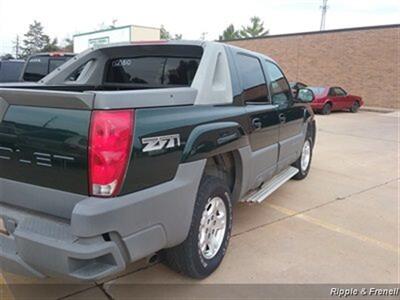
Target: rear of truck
[[78, 195]]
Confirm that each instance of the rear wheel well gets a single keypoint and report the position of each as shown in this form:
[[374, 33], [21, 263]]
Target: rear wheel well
[[227, 167]]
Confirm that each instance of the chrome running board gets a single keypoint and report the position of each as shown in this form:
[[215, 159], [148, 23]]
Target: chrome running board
[[270, 186]]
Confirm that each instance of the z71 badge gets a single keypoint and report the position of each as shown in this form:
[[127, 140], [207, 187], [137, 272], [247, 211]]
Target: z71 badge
[[161, 142]]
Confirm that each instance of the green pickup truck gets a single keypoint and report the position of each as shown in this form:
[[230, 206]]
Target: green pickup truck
[[132, 149]]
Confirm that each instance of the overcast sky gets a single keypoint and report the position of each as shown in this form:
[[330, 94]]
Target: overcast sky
[[62, 19]]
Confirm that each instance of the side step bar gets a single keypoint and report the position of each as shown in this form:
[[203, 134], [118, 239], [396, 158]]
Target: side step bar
[[270, 186]]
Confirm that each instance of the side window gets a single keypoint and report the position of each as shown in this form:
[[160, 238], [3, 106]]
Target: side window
[[340, 91], [252, 76], [332, 92], [280, 90], [75, 75]]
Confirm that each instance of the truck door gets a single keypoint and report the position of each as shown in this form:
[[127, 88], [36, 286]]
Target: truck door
[[290, 115], [262, 119]]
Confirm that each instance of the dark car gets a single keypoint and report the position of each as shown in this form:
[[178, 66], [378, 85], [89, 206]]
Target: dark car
[[39, 65], [335, 98], [10, 69]]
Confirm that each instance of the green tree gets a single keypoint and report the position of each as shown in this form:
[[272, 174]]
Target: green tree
[[7, 56], [51, 46], [255, 29], [68, 45], [177, 37], [166, 35], [230, 33], [35, 39]]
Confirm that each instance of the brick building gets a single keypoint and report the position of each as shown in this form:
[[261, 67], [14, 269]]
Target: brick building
[[365, 61]]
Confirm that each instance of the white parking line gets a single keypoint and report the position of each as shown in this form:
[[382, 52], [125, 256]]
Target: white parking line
[[335, 228]]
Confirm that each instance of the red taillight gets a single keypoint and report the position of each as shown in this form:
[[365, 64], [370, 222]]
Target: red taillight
[[110, 141]]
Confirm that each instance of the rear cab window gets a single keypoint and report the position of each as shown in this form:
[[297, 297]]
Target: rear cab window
[[152, 70]]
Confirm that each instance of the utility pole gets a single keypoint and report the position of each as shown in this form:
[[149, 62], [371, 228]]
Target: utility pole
[[324, 8], [17, 47]]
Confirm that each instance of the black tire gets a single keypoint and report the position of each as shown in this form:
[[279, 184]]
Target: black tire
[[327, 109], [187, 258], [303, 172], [355, 107]]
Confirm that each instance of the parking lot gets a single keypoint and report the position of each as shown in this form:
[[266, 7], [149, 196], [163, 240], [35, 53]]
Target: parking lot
[[341, 224]]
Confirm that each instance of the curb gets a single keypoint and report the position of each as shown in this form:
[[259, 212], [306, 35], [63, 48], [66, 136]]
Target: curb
[[377, 109]]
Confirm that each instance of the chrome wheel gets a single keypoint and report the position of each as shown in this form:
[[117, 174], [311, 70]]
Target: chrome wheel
[[305, 156], [212, 227]]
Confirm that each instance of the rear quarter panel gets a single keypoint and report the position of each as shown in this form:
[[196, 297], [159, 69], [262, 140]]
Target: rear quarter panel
[[203, 130]]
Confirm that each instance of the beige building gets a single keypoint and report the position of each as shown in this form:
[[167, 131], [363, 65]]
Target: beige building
[[130, 33], [364, 61]]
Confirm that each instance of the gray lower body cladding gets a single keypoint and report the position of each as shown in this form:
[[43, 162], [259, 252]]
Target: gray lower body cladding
[[142, 223]]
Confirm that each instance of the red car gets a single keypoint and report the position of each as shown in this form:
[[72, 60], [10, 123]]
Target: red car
[[329, 99]]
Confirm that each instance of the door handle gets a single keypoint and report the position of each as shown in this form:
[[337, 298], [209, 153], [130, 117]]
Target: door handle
[[256, 123], [282, 118]]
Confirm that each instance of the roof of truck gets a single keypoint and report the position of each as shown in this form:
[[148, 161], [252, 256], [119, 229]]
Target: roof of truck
[[155, 42], [176, 42]]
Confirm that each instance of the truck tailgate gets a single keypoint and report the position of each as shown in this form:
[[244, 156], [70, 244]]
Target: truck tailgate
[[43, 141]]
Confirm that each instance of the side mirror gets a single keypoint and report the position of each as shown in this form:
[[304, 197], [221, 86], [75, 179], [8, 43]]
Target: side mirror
[[305, 95]]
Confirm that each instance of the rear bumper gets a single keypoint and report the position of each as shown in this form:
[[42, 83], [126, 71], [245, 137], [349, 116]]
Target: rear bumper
[[103, 235], [40, 246]]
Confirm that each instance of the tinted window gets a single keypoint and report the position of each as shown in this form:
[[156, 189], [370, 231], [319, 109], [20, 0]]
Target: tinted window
[[74, 76], [10, 71], [280, 90], [152, 70], [180, 71], [37, 67], [55, 63], [253, 80], [297, 85], [340, 92]]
